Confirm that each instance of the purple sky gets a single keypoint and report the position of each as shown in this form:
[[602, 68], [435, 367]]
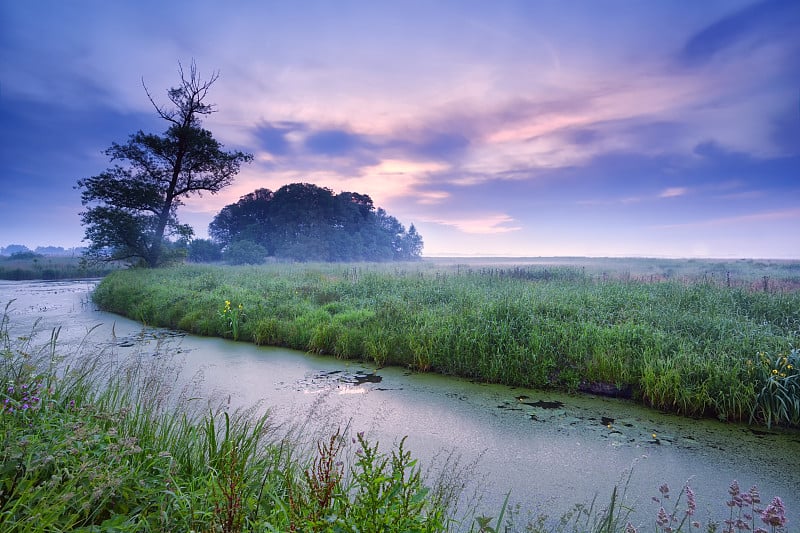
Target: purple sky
[[529, 128]]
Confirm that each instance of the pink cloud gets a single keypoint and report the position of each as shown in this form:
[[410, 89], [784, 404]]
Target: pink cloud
[[673, 192]]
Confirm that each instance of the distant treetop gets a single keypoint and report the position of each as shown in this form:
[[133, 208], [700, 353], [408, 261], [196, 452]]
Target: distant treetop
[[12, 249]]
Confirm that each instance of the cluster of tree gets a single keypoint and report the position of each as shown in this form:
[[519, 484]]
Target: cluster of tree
[[55, 251], [304, 222], [131, 207], [12, 249]]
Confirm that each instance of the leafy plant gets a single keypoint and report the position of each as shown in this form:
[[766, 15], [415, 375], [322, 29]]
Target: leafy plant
[[233, 316], [389, 494], [778, 400]]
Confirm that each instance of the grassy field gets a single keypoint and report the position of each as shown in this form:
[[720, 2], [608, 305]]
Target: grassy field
[[34, 266], [683, 344]]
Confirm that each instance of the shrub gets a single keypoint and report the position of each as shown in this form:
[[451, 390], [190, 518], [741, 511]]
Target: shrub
[[244, 253]]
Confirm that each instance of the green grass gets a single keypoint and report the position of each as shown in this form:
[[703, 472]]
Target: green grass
[[689, 348], [92, 442]]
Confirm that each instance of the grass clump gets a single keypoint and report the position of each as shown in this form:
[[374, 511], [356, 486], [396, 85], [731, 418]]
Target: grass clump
[[778, 398]]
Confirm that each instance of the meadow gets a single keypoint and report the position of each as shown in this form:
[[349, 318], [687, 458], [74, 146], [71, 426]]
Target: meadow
[[29, 266], [698, 339]]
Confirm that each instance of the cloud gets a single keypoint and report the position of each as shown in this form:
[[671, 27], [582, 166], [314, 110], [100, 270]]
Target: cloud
[[432, 197], [753, 25], [673, 192], [438, 146], [274, 137], [482, 224], [582, 136], [334, 142], [766, 216]]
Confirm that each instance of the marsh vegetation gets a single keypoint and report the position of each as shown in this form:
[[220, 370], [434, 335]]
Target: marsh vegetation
[[689, 345], [31, 265], [92, 441]]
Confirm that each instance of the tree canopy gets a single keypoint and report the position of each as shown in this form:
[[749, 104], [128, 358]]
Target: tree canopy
[[132, 206], [304, 222]]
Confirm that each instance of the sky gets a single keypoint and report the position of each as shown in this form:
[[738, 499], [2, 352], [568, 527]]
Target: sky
[[503, 128]]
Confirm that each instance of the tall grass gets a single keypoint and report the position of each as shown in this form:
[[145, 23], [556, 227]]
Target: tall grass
[[687, 348], [93, 443]]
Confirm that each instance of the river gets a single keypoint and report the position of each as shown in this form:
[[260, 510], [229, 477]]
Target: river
[[549, 450]]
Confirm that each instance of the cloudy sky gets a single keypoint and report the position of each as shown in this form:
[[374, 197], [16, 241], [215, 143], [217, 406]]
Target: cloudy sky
[[515, 128]]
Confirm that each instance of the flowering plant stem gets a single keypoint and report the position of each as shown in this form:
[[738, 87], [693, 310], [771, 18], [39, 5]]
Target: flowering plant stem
[[233, 316]]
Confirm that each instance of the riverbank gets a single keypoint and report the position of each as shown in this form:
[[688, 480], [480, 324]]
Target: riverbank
[[697, 349], [99, 444], [96, 440]]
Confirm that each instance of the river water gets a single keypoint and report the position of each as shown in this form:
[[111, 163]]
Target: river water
[[549, 450]]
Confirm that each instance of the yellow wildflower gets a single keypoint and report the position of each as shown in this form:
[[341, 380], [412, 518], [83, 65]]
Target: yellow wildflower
[[774, 371]]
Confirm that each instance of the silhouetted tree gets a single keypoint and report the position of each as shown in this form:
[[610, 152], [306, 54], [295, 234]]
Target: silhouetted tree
[[247, 219], [412, 244], [132, 206], [304, 222]]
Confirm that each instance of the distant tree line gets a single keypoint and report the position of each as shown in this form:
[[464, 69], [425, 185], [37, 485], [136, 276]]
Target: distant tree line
[[305, 222], [57, 251]]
